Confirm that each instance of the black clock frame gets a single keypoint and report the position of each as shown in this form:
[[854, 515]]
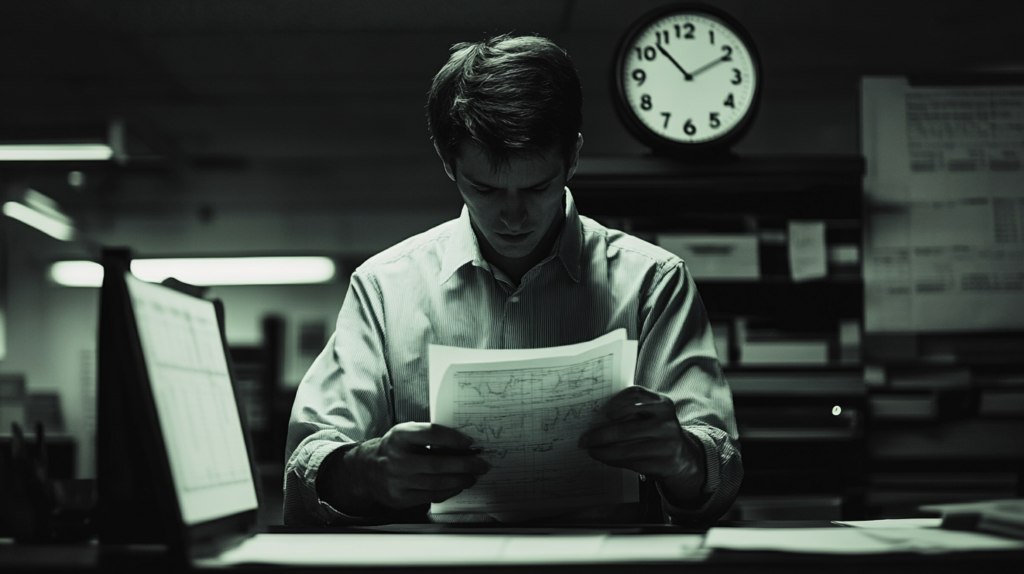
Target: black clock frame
[[717, 147]]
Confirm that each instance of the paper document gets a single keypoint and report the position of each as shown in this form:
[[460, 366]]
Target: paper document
[[944, 185], [527, 409], [886, 523], [807, 259], [855, 540], [195, 402], [458, 549]]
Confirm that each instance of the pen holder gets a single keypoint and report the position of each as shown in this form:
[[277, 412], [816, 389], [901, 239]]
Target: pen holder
[[37, 509]]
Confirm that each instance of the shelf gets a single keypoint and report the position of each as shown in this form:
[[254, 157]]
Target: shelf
[[954, 440], [800, 435], [791, 187], [794, 382]]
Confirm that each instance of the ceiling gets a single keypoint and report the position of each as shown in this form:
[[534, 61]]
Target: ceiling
[[310, 101]]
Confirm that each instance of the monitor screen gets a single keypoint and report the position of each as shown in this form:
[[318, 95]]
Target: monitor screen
[[195, 403]]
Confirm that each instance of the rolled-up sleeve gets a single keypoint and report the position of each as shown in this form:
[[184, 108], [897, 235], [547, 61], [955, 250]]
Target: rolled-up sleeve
[[677, 357], [344, 398]]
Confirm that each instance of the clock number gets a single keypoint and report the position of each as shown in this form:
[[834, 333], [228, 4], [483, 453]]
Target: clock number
[[689, 30], [737, 77], [667, 116], [728, 54], [659, 35], [640, 76], [712, 34], [647, 53], [729, 102], [714, 120], [645, 102], [689, 129]]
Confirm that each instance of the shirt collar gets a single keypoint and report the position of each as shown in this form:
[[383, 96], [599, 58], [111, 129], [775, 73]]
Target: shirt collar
[[462, 247]]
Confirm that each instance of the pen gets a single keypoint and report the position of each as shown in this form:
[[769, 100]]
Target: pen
[[456, 451]]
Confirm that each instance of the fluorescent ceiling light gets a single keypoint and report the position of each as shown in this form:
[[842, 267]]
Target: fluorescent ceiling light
[[56, 227], [56, 152], [206, 271], [77, 273]]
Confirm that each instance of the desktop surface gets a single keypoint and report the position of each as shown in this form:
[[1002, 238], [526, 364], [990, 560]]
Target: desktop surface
[[95, 557]]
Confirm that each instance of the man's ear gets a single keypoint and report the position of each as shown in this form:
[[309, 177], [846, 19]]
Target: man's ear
[[447, 168], [575, 158]]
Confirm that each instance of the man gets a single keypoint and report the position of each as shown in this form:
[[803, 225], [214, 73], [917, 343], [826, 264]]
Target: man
[[519, 269]]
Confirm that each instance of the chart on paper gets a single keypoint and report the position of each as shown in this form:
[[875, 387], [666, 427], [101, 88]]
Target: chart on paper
[[192, 388], [528, 422]]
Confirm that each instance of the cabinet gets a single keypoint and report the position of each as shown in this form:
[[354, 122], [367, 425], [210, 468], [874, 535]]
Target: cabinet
[[801, 420]]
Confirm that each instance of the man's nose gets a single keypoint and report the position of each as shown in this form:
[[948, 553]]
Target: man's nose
[[513, 210]]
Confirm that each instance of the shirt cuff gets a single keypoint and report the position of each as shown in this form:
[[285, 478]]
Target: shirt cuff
[[324, 512], [329, 515], [712, 480]]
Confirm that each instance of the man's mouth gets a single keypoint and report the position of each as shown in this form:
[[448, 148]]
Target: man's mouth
[[514, 237]]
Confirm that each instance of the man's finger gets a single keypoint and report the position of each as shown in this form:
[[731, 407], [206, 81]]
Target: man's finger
[[656, 406], [441, 482], [447, 464], [443, 495], [423, 434], [633, 451], [640, 429]]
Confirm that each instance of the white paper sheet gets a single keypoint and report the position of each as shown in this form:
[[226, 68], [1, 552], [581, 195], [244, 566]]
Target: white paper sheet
[[855, 540], [457, 549], [194, 400], [944, 241], [807, 257], [527, 409], [887, 523]]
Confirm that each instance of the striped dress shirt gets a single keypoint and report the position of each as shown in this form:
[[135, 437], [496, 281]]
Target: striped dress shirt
[[436, 288]]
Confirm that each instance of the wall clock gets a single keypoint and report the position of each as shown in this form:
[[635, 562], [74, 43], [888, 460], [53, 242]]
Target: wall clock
[[687, 80]]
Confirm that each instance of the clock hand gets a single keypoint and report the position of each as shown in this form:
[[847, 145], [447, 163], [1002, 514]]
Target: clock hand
[[710, 65], [669, 56]]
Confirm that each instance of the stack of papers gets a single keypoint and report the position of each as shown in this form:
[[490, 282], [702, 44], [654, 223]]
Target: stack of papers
[[867, 537]]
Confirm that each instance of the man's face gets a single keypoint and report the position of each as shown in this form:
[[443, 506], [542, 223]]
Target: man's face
[[515, 207]]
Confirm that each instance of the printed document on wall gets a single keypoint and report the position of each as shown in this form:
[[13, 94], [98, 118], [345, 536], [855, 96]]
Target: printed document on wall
[[526, 408], [944, 235]]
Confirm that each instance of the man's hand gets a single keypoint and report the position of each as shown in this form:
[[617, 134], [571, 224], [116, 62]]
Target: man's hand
[[399, 471], [643, 435]]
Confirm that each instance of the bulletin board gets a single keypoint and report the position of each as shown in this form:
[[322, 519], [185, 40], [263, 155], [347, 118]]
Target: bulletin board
[[944, 194]]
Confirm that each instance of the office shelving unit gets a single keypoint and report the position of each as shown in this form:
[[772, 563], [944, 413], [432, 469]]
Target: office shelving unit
[[802, 429]]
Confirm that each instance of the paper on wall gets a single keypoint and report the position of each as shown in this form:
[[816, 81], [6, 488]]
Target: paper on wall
[[807, 259], [944, 238]]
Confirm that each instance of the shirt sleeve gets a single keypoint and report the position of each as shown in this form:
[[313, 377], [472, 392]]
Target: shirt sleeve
[[343, 399], [677, 357]]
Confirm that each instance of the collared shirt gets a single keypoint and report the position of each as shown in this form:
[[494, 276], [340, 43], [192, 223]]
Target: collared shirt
[[436, 288]]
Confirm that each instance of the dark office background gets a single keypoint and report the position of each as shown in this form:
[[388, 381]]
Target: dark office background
[[270, 127]]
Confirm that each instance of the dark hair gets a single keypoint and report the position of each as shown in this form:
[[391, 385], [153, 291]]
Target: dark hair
[[510, 95]]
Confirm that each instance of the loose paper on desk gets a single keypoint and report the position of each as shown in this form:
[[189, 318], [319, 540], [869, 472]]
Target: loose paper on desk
[[527, 409]]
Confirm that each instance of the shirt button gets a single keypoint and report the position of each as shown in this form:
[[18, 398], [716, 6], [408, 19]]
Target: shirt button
[[514, 300]]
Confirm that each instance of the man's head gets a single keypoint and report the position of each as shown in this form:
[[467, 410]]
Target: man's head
[[511, 96]]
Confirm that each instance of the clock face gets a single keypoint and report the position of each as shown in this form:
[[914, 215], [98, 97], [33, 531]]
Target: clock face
[[688, 77]]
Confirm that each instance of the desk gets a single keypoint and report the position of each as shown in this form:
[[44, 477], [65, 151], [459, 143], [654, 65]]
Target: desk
[[90, 557]]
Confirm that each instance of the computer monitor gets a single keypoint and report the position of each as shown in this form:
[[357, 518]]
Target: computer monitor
[[174, 463]]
